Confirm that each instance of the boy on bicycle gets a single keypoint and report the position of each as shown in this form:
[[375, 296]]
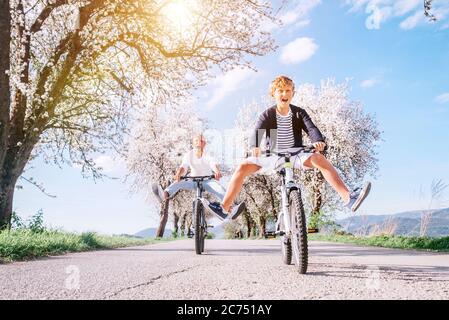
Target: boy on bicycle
[[283, 125], [200, 164]]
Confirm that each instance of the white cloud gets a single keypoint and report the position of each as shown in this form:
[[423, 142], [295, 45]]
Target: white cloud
[[226, 84], [442, 98], [300, 10], [294, 15], [289, 18], [412, 21], [368, 83], [108, 164], [356, 5], [380, 11], [403, 7], [302, 23], [299, 50]]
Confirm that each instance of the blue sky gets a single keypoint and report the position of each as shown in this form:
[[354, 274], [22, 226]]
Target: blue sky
[[398, 66]]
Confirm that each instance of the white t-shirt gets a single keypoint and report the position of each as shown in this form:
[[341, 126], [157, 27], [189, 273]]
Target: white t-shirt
[[198, 166]]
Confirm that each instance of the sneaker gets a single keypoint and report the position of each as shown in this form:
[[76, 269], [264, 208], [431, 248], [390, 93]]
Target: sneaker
[[357, 196], [217, 209], [155, 189], [237, 210], [160, 194]]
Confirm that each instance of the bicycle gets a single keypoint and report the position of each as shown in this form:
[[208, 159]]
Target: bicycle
[[291, 224], [198, 214]]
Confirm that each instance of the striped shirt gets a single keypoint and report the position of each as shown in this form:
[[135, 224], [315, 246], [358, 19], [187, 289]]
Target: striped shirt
[[285, 138]]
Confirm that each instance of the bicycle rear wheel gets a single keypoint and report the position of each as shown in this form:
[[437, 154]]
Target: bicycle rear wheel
[[299, 231], [199, 227]]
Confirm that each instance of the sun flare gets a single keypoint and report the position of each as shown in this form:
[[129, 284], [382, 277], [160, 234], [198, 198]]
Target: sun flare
[[179, 14]]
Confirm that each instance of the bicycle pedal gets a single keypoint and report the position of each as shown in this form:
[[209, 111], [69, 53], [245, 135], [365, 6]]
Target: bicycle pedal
[[312, 230], [210, 226], [279, 233]]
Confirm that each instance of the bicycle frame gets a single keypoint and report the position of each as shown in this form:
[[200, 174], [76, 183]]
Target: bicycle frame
[[199, 196], [287, 184]]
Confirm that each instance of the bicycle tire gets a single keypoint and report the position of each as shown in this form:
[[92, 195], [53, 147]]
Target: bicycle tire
[[299, 231], [199, 227], [286, 244]]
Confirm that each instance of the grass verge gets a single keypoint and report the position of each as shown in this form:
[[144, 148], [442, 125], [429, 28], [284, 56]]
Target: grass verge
[[24, 244], [389, 241]]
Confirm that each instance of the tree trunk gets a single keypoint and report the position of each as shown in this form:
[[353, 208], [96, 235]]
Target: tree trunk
[[318, 201], [317, 195], [248, 225], [182, 224], [175, 224], [6, 198], [5, 97], [263, 226], [163, 219], [11, 170]]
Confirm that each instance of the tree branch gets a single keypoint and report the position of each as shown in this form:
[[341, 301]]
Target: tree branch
[[40, 187], [45, 13]]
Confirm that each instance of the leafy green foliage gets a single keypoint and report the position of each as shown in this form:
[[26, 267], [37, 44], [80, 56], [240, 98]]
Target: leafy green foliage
[[389, 241], [24, 244]]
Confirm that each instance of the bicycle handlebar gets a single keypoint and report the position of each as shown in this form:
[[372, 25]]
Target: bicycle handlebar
[[293, 153], [198, 178], [310, 148]]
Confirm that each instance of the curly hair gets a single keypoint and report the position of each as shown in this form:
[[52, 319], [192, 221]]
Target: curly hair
[[281, 81]]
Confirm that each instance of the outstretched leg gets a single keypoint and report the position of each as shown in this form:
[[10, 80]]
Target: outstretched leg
[[317, 160], [237, 179], [353, 199]]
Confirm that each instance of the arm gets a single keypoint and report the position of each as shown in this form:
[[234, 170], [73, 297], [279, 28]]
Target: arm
[[312, 131], [216, 170], [179, 173], [214, 166], [183, 168], [257, 135]]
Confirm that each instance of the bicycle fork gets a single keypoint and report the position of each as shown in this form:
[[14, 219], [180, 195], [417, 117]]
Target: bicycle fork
[[285, 208]]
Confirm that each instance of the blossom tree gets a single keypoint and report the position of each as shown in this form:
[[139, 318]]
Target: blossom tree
[[156, 148], [74, 69], [351, 136]]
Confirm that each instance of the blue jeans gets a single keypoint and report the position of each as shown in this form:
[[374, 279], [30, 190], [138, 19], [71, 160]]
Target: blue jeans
[[211, 186]]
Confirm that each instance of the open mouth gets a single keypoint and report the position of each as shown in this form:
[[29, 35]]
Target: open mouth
[[284, 100]]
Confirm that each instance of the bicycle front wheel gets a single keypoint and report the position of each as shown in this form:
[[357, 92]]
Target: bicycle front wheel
[[286, 243], [199, 227], [299, 231]]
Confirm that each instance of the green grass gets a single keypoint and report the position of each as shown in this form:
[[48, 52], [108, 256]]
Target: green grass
[[389, 241], [25, 244]]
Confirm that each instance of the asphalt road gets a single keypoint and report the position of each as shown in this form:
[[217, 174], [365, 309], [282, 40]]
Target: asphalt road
[[229, 269]]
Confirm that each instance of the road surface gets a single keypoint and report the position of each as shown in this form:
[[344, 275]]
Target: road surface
[[229, 269]]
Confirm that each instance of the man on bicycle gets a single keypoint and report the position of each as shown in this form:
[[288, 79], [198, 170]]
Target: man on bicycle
[[283, 124], [200, 164]]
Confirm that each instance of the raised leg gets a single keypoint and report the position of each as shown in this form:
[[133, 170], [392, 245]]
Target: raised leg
[[235, 185], [317, 160]]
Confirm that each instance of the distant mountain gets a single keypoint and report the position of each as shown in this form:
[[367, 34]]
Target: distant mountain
[[404, 223], [151, 232]]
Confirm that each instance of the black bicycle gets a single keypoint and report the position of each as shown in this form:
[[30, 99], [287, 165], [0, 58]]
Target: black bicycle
[[198, 215]]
